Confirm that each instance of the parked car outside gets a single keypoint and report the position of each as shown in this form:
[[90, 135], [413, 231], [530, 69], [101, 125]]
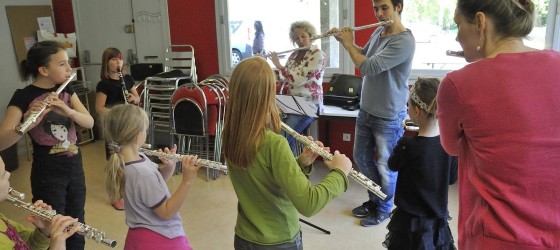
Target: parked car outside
[[241, 40]]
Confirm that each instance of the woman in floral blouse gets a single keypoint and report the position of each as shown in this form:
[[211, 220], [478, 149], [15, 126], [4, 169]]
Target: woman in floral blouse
[[302, 75]]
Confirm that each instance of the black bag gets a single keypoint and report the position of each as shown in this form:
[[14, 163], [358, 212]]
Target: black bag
[[344, 91]]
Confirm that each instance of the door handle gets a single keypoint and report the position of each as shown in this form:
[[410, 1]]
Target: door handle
[[150, 57]]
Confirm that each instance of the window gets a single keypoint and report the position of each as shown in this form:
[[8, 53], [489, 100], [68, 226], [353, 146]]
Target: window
[[235, 41], [431, 22]]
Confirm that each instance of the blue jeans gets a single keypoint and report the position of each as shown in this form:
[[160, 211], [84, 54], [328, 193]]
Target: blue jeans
[[241, 244], [374, 142], [297, 123]]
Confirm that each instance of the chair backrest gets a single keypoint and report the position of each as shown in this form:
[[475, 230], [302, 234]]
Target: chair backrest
[[219, 90], [181, 57], [188, 118], [192, 115], [223, 79], [191, 92]]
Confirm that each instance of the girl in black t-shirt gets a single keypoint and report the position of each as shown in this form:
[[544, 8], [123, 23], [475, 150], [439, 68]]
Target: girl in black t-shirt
[[111, 90], [57, 176], [114, 87], [425, 173]]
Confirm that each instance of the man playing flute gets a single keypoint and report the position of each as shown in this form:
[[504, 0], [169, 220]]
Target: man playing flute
[[385, 62]]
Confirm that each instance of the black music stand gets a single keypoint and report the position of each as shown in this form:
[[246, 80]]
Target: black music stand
[[315, 226], [289, 104]]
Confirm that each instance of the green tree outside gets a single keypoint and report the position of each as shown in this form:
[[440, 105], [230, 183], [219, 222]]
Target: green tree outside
[[441, 12]]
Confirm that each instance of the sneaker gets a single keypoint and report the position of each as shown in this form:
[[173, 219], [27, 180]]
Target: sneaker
[[375, 219], [118, 205], [365, 209]]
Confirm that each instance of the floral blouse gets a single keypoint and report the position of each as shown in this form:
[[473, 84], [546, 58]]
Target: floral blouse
[[304, 77]]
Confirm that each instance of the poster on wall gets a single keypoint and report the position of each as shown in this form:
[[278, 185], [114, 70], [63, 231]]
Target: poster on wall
[[46, 24]]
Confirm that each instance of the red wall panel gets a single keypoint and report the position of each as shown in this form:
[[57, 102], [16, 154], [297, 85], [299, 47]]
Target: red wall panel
[[364, 15], [194, 23], [63, 16]]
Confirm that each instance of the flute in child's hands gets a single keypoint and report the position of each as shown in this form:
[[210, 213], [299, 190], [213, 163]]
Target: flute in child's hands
[[16, 198], [22, 128]]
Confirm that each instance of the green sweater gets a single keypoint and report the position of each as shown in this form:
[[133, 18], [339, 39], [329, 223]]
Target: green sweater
[[274, 188], [31, 236]]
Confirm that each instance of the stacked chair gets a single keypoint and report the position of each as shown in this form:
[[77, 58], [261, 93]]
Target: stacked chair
[[179, 69], [196, 118], [181, 57]]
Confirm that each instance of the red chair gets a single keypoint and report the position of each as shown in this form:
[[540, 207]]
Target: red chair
[[216, 97], [194, 121]]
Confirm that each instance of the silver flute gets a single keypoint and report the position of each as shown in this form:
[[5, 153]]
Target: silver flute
[[409, 125], [124, 90], [359, 177], [459, 53], [35, 114], [203, 162], [286, 51], [16, 198], [383, 23]]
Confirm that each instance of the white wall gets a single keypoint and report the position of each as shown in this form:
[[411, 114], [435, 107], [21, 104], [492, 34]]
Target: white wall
[[9, 72]]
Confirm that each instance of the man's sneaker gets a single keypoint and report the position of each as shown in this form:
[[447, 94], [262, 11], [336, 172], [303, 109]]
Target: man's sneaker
[[374, 219], [365, 209]]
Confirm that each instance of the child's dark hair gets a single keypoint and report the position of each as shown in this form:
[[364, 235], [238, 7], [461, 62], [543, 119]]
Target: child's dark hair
[[423, 95], [39, 55]]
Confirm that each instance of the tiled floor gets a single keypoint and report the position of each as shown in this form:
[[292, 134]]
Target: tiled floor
[[211, 208]]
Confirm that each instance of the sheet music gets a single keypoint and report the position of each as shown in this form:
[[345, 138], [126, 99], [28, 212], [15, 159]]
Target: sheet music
[[295, 105]]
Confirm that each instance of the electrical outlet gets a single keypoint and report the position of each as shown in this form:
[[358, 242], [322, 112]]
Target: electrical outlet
[[346, 137]]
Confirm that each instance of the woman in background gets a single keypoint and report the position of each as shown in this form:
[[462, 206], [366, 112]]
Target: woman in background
[[258, 41], [302, 75]]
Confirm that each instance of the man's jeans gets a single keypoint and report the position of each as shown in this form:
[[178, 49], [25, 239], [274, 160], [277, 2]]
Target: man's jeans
[[374, 142]]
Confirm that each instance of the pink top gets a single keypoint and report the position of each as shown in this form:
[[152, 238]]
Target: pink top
[[500, 116]]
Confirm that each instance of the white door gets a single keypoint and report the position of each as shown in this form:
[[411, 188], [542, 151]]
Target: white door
[[138, 28]]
